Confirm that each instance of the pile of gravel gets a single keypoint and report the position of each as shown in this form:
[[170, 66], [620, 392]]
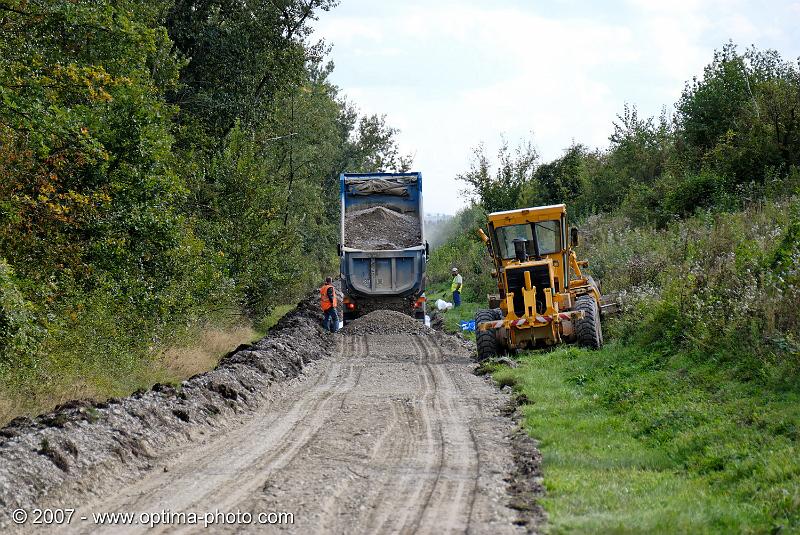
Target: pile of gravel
[[379, 228], [386, 322]]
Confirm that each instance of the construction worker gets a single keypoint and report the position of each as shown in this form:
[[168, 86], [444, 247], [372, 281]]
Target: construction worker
[[327, 301], [455, 287]]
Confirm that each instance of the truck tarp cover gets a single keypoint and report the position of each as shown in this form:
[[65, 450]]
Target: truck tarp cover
[[385, 186]]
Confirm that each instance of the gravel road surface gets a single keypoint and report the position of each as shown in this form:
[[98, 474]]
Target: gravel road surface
[[388, 433]]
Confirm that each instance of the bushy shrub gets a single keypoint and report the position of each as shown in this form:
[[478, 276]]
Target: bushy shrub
[[721, 286], [696, 190], [17, 323]]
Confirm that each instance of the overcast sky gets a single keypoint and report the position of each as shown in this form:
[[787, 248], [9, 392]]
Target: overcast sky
[[451, 75]]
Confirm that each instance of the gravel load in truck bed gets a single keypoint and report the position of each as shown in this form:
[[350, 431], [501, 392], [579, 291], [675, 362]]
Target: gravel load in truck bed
[[386, 322], [379, 228]]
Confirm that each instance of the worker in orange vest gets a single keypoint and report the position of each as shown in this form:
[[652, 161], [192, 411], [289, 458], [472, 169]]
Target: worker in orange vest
[[327, 301]]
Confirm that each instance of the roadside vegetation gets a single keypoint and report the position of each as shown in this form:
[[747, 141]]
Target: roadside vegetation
[[688, 419], [632, 444], [166, 169]]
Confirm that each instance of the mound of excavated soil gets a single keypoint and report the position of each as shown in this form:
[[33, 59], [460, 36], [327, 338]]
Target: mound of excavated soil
[[380, 228], [386, 322], [64, 453]]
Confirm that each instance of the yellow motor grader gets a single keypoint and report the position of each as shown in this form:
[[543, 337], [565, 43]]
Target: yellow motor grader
[[544, 298]]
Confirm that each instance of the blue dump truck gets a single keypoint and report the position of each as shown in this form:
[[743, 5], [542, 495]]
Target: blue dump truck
[[383, 249]]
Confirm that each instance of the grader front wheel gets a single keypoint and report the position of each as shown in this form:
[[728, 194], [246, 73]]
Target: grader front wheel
[[487, 343]]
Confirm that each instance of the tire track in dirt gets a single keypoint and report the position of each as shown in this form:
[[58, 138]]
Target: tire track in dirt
[[437, 487], [420, 468], [432, 443], [452, 494], [392, 443], [464, 437], [221, 486], [354, 497], [407, 487], [304, 431]]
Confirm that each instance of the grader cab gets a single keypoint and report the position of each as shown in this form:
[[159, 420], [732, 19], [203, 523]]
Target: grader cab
[[543, 298]]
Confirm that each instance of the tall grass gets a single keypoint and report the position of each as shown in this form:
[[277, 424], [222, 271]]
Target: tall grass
[[722, 287], [81, 364]]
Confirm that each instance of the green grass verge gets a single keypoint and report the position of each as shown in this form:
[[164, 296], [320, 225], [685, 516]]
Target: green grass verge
[[637, 443], [644, 442]]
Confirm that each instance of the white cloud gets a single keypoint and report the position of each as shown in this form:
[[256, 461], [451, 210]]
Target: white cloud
[[683, 7], [741, 28], [451, 75]]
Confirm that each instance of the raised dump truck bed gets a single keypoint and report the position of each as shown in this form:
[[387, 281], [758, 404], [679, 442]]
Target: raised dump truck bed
[[383, 250]]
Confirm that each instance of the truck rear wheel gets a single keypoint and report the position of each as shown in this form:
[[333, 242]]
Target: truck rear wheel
[[589, 331], [488, 345]]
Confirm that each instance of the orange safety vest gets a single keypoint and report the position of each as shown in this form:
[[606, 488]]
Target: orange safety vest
[[323, 297]]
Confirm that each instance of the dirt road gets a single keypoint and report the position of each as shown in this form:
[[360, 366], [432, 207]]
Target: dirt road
[[391, 434], [347, 433]]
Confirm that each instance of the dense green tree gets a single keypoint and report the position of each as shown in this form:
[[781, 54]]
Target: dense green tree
[[163, 164], [741, 119], [734, 139], [500, 190], [710, 106], [375, 148], [555, 182], [87, 182], [239, 55]]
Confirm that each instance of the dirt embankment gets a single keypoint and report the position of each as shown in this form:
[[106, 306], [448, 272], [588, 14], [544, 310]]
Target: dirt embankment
[[379, 228], [80, 445]]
